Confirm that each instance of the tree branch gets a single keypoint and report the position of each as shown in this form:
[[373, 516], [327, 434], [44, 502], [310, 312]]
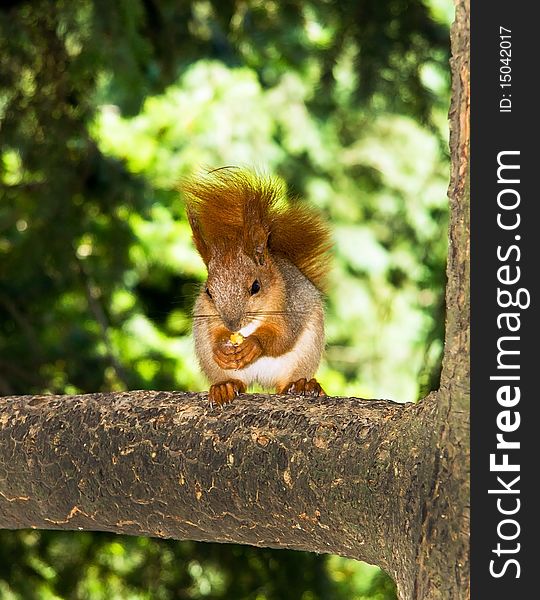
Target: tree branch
[[337, 475]]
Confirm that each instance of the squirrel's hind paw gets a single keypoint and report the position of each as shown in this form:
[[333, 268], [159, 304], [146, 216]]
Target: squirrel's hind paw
[[303, 387], [225, 392]]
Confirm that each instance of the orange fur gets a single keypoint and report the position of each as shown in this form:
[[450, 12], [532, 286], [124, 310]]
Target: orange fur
[[233, 208], [274, 338]]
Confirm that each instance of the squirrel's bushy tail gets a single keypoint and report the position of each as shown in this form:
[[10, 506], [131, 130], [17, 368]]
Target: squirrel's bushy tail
[[228, 207]]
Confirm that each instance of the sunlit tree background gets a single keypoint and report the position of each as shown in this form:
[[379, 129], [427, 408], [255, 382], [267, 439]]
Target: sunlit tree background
[[104, 107]]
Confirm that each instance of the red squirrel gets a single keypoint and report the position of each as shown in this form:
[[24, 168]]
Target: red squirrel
[[259, 317]]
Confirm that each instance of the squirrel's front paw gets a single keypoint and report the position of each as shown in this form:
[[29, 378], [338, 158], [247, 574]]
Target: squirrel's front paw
[[229, 356], [303, 387], [225, 392]]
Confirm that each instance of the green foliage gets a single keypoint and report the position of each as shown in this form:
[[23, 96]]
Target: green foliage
[[104, 106], [101, 566], [384, 192]]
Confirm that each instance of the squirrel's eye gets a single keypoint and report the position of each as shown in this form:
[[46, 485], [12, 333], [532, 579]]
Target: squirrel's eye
[[255, 287], [208, 292]]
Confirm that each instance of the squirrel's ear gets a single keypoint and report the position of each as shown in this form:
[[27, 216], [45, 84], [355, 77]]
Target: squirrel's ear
[[255, 232], [198, 239], [259, 237]]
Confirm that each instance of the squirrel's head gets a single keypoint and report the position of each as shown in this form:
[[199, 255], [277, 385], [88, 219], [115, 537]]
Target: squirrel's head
[[243, 287], [240, 222]]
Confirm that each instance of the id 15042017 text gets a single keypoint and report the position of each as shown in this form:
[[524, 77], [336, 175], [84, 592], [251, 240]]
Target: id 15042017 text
[[505, 69]]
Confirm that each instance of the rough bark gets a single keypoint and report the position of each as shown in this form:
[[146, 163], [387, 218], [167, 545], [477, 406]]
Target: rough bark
[[443, 555], [373, 480], [335, 475]]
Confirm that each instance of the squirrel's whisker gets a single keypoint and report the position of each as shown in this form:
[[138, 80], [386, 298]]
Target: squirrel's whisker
[[276, 312]]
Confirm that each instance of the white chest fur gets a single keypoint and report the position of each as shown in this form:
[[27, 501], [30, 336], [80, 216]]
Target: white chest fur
[[269, 370]]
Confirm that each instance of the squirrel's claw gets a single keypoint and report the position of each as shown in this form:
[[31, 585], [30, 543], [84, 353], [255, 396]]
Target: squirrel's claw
[[225, 392], [247, 352], [304, 387]]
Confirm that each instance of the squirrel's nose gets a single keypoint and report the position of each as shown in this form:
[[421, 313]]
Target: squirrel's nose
[[232, 324]]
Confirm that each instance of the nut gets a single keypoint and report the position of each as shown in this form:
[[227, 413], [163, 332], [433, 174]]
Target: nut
[[236, 339]]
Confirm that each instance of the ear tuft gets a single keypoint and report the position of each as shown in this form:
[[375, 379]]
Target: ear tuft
[[197, 235]]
